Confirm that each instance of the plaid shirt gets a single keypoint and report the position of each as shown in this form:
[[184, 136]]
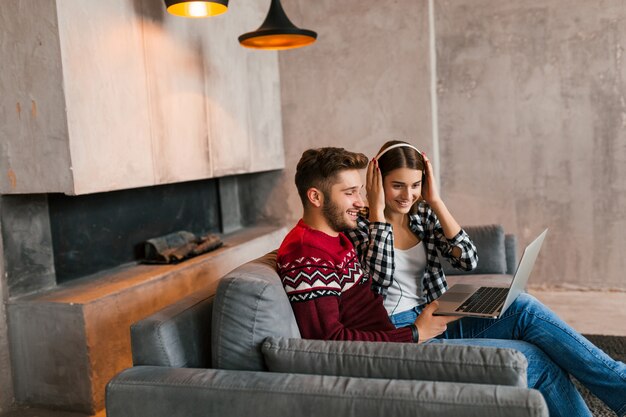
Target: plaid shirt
[[374, 246]]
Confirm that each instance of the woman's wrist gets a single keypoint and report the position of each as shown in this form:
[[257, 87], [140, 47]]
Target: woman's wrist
[[449, 225], [376, 216], [436, 204]]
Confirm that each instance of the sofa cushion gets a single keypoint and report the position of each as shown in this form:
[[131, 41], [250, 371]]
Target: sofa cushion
[[429, 362], [489, 241], [250, 305]]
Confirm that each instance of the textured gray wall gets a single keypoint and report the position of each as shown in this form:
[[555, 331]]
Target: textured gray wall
[[33, 123], [6, 383], [532, 123], [531, 114], [74, 71], [365, 81], [28, 258]]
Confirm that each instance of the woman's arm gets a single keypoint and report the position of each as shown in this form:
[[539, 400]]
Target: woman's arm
[[459, 250], [452, 241], [373, 243], [430, 194], [376, 244]]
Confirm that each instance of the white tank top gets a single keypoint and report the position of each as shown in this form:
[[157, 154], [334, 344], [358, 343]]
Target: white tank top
[[407, 290]]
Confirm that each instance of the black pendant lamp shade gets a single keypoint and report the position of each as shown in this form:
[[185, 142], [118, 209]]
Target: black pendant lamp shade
[[277, 32], [188, 8]]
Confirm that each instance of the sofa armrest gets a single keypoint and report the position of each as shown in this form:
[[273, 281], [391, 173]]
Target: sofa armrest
[[178, 335], [170, 392], [510, 246], [426, 362], [490, 246]]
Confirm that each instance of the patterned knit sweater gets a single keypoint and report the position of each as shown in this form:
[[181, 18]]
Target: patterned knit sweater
[[329, 292]]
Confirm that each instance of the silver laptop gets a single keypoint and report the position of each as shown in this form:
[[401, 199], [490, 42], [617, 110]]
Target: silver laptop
[[485, 301]]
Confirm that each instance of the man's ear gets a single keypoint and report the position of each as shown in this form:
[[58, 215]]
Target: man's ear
[[315, 196]]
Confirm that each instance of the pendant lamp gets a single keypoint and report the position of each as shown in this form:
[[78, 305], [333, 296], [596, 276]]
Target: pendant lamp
[[277, 32], [187, 8]]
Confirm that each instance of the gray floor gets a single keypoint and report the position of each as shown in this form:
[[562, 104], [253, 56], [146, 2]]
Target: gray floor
[[587, 311]]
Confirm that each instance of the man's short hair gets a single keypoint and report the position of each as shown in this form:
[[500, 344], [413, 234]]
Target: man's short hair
[[319, 168]]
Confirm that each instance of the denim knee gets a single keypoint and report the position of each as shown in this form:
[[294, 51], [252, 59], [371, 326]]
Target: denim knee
[[527, 301], [529, 304]]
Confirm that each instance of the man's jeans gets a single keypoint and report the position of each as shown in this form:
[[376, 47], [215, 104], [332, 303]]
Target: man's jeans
[[553, 350]]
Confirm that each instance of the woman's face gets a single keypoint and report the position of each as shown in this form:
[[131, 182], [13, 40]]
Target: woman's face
[[403, 187]]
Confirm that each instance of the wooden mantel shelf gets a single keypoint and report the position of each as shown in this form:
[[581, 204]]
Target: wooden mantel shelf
[[121, 279]]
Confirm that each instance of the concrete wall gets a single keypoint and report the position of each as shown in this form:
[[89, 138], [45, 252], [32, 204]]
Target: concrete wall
[[28, 253], [365, 81], [531, 114], [180, 97], [6, 383], [33, 123]]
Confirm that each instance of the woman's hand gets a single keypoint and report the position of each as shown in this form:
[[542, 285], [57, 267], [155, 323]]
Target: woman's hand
[[430, 326], [375, 192], [430, 192]]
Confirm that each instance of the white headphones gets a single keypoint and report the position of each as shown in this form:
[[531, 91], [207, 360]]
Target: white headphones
[[397, 145]]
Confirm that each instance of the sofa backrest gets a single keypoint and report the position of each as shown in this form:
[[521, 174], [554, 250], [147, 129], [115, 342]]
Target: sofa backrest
[[496, 251], [250, 305]]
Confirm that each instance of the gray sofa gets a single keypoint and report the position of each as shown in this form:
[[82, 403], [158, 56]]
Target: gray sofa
[[239, 353]]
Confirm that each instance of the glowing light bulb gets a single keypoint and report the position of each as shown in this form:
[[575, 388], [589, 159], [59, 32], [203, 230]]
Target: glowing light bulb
[[197, 9]]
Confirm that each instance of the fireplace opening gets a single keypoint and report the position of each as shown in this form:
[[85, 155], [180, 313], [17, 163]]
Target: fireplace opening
[[95, 232], [51, 239]]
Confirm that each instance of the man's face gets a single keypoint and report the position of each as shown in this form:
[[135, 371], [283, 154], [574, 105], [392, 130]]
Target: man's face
[[342, 204]]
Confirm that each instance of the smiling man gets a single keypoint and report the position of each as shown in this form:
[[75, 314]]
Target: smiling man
[[330, 294]]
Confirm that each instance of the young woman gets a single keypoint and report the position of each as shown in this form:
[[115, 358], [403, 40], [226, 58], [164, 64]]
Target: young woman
[[409, 230]]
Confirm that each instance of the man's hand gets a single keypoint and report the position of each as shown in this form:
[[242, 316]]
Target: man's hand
[[430, 326]]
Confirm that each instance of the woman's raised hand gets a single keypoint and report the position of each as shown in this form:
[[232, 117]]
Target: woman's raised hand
[[375, 192], [430, 192]]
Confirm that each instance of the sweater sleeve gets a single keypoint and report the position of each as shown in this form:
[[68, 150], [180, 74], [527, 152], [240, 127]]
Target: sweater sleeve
[[314, 285], [319, 319]]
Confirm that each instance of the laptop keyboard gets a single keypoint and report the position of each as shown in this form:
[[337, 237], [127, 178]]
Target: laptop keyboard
[[485, 300]]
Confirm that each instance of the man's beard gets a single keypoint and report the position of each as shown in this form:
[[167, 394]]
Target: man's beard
[[335, 216]]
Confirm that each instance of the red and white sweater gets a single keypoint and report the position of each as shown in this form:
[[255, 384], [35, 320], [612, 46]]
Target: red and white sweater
[[330, 294]]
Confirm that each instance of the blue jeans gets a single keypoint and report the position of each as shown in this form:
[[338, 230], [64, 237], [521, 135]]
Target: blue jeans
[[553, 350]]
